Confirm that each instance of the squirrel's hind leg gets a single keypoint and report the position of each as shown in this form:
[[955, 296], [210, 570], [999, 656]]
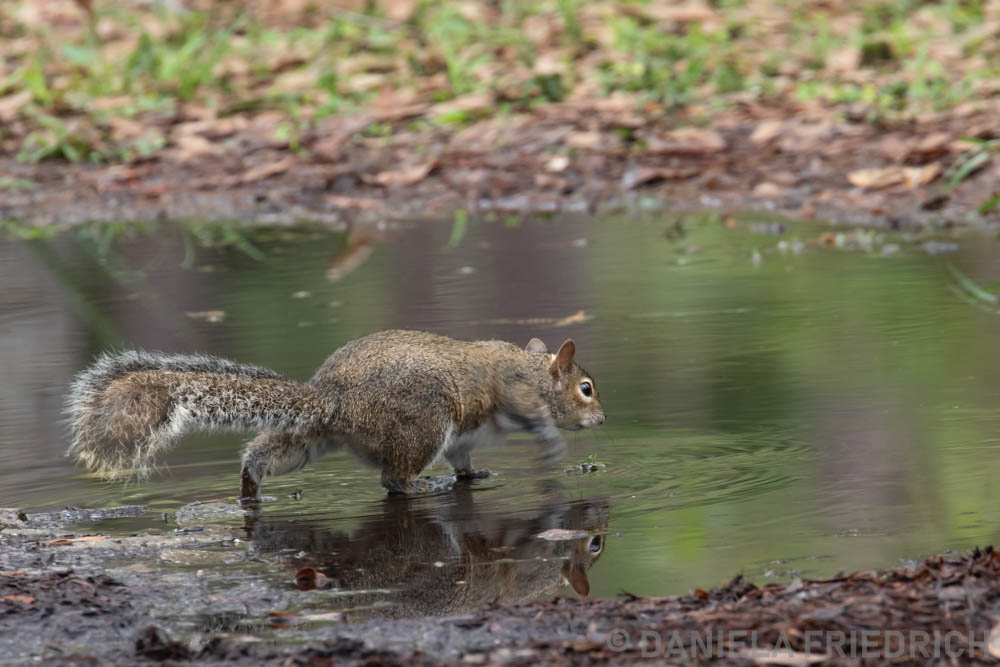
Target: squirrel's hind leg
[[277, 453]]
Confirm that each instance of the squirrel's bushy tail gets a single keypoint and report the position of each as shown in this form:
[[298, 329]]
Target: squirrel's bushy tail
[[128, 406]]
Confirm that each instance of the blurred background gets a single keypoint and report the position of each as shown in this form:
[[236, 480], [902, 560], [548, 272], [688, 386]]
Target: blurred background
[[88, 79]]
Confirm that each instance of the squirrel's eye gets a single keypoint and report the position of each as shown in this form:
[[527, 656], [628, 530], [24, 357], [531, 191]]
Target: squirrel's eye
[[586, 389], [595, 544]]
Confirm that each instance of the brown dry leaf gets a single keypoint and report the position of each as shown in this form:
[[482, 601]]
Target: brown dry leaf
[[578, 317], [67, 541], [334, 131], [557, 163], [404, 176], [356, 252], [665, 10], [360, 203], [768, 190], [12, 104], [633, 178], [878, 177], [765, 131], [24, 599], [308, 578], [844, 60], [471, 102], [688, 141], [217, 128], [994, 641], [583, 139], [914, 177], [125, 128], [192, 146], [110, 103], [400, 112], [932, 145], [398, 10], [262, 171], [781, 656]]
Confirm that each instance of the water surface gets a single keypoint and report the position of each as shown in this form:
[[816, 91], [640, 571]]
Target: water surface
[[769, 412]]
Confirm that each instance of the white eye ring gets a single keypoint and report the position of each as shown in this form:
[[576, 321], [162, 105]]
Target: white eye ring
[[586, 389]]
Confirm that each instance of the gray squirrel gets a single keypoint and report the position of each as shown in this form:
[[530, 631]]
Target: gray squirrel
[[397, 399]]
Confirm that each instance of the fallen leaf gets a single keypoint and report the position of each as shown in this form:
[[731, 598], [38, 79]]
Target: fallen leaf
[[781, 656], [932, 145], [914, 177], [633, 178], [561, 534], [217, 128], [334, 131], [557, 163], [675, 13], [308, 578], [262, 171], [193, 145], [687, 141], [844, 60], [24, 599], [125, 128], [766, 131], [12, 104], [879, 177], [576, 318], [994, 641], [768, 190], [404, 176], [360, 203], [67, 541], [583, 139], [398, 10], [472, 102]]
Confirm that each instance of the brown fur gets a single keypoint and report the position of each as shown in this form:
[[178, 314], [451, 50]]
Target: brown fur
[[398, 399]]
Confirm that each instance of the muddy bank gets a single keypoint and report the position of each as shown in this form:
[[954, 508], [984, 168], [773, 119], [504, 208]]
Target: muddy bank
[[584, 156], [199, 592]]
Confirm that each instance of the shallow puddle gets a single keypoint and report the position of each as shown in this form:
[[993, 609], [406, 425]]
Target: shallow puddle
[[774, 407]]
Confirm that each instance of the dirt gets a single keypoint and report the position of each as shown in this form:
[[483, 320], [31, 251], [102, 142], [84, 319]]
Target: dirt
[[585, 156], [69, 594]]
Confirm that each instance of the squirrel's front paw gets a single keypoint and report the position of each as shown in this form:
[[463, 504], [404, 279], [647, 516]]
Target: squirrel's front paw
[[552, 452], [469, 475]]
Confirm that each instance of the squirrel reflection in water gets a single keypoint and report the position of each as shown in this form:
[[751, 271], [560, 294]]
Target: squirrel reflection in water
[[415, 560]]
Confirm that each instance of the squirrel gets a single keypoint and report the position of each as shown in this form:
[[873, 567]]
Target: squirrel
[[446, 557], [397, 399]]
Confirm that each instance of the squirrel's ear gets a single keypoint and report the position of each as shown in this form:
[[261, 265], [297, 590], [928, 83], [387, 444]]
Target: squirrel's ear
[[563, 358], [535, 345], [576, 577]]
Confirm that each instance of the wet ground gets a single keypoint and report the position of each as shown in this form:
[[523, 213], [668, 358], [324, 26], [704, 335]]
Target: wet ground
[[785, 400], [587, 156], [61, 604]]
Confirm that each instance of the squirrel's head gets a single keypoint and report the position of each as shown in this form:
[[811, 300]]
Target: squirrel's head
[[573, 397]]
